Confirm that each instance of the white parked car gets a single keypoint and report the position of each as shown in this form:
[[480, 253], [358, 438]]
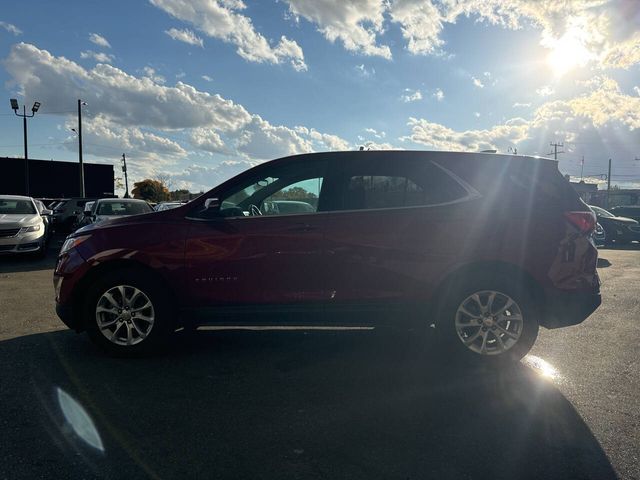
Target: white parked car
[[22, 228], [168, 206], [109, 208]]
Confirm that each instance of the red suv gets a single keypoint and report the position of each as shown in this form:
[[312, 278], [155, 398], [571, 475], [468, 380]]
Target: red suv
[[484, 247]]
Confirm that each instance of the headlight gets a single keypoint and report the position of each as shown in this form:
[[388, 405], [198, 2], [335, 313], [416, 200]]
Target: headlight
[[73, 242], [31, 228]]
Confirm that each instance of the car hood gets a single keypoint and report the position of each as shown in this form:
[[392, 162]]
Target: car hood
[[107, 221], [18, 221]]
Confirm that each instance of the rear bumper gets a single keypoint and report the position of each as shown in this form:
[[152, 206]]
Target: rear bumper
[[564, 309]]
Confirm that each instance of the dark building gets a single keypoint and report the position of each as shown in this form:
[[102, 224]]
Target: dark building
[[53, 179]]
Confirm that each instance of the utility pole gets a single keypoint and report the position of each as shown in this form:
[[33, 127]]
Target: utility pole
[[608, 183], [126, 179], [555, 150], [34, 109], [80, 104], [582, 168]]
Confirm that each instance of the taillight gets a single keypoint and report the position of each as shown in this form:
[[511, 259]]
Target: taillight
[[583, 221]]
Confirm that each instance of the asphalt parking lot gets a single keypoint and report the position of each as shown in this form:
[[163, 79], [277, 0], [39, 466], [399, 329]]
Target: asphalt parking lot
[[317, 404]]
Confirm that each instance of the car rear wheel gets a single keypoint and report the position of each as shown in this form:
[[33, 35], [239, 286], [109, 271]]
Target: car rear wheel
[[488, 320], [127, 314]]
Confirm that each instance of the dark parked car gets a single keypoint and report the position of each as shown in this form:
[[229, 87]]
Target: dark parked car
[[68, 212], [620, 230], [486, 247], [628, 211]]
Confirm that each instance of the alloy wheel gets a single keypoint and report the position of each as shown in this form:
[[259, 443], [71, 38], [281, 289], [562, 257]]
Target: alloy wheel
[[489, 322], [125, 315]]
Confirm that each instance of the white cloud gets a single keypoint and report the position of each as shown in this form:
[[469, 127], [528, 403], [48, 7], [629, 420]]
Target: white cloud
[[545, 91], [206, 78], [444, 138], [102, 137], [99, 57], [420, 23], [605, 30], [375, 133], [599, 124], [637, 90], [148, 120], [209, 140], [476, 114], [261, 140], [185, 35], [477, 82], [364, 71], [355, 23], [438, 94], [369, 145], [11, 28], [124, 98], [521, 105], [197, 177], [150, 73], [411, 95], [99, 40], [220, 19]]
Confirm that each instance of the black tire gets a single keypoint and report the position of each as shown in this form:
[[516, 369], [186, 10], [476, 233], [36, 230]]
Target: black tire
[[164, 319], [461, 289]]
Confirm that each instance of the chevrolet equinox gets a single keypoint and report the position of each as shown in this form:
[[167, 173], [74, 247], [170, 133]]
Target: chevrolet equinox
[[484, 247]]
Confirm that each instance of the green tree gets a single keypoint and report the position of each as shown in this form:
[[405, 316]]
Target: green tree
[[180, 194], [293, 193], [150, 190]]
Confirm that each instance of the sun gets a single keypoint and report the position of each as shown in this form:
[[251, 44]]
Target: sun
[[568, 52]]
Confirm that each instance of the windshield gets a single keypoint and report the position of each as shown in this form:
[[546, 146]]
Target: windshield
[[601, 212], [123, 208], [17, 207]]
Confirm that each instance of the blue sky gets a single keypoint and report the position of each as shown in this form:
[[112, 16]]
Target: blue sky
[[196, 91]]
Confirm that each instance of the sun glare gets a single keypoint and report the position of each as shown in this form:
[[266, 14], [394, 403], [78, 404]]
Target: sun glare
[[568, 52]]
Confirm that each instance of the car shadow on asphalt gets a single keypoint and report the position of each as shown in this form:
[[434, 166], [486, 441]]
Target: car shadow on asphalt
[[603, 263], [282, 404]]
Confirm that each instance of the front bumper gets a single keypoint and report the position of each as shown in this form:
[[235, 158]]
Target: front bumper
[[22, 242], [566, 308], [67, 315]]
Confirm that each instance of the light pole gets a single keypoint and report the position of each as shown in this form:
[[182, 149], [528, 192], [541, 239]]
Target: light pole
[[126, 178], [34, 109], [79, 132]]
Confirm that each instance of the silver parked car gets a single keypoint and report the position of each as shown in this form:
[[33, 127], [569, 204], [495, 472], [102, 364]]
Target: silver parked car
[[109, 208], [22, 227], [168, 206]]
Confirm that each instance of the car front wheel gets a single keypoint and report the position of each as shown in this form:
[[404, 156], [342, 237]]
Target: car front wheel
[[127, 314]]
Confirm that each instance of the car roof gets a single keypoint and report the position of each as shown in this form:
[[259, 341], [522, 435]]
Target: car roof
[[14, 197], [438, 155], [130, 200]]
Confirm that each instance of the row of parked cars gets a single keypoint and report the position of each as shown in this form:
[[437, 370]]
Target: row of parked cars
[[26, 223], [618, 225]]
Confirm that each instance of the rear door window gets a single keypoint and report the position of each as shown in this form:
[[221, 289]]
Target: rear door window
[[397, 184]]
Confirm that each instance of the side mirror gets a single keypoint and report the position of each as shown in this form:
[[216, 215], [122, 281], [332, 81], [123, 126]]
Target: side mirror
[[76, 212], [212, 204], [46, 212]]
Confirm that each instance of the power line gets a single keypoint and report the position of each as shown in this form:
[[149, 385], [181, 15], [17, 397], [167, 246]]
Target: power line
[[555, 150]]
